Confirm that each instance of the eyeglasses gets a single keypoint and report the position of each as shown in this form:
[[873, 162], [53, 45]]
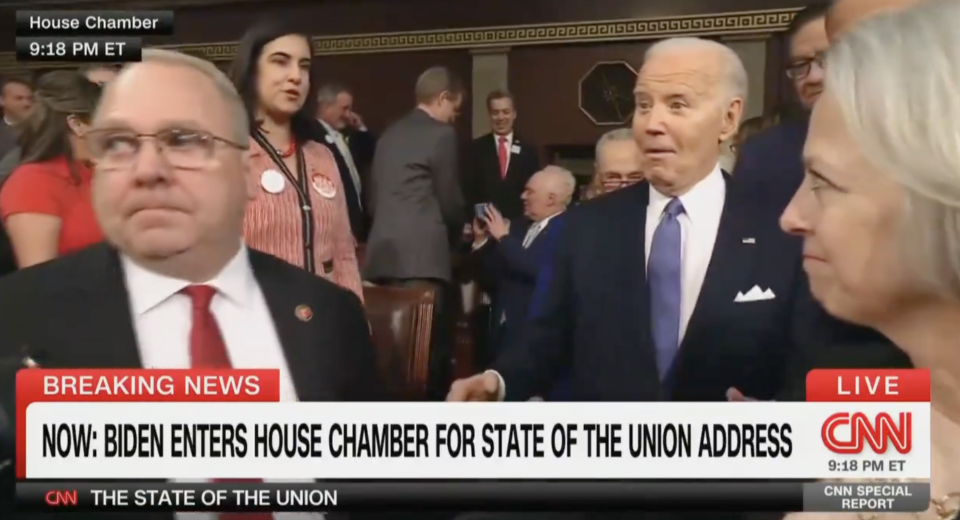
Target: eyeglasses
[[182, 148], [801, 68]]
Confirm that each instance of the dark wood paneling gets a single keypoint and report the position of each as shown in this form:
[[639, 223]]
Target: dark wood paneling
[[383, 83], [545, 80]]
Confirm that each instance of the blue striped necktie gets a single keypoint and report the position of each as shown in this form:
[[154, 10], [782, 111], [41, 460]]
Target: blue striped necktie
[[664, 274]]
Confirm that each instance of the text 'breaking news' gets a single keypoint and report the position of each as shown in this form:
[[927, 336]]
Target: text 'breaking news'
[[94, 23], [852, 497]]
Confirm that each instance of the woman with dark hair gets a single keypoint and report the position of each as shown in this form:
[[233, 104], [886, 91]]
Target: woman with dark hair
[[45, 203], [300, 213]]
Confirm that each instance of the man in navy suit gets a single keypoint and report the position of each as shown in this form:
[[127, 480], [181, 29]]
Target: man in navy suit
[[771, 162], [674, 289], [510, 255], [352, 144]]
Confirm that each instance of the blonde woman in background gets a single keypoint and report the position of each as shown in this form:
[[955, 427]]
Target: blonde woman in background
[[879, 208]]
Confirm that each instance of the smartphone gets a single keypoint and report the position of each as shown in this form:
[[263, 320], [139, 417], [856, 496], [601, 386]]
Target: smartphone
[[480, 211]]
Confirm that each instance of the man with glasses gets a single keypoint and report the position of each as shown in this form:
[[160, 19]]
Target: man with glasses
[[771, 160], [174, 286]]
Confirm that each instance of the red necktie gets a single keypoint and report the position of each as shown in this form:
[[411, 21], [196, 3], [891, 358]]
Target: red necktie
[[207, 350], [503, 155]]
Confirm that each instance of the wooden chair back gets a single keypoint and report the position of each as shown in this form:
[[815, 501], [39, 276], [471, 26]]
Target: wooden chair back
[[401, 320]]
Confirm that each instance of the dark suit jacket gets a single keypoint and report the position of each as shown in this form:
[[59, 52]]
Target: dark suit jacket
[[8, 138], [509, 273], [361, 149], [8, 260], [483, 182], [770, 166], [74, 312], [594, 318], [772, 162], [416, 202]]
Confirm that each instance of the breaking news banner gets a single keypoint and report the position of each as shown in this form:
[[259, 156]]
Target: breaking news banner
[[94, 23], [857, 425], [476, 495], [79, 50]]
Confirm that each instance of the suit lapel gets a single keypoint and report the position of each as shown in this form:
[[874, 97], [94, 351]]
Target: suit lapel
[[103, 331], [493, 154], [731, 256], [512, 160], [633, 223], [302, 338]]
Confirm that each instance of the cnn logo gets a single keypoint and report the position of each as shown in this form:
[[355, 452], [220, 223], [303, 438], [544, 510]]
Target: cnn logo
[[57, 498], [878, 433]]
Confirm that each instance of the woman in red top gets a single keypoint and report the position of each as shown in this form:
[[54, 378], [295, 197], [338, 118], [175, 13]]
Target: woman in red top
[[300, 214], [45, 203]]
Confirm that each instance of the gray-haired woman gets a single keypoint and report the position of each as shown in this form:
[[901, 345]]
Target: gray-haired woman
[[880, 206]]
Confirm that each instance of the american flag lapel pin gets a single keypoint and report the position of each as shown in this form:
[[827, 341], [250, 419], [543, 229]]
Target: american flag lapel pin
[[749, 240]]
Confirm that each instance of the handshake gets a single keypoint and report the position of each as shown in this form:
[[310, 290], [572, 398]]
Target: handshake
[[489, 386]]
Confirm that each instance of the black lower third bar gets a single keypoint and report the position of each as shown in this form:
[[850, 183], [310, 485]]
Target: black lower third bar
[[411, 496]]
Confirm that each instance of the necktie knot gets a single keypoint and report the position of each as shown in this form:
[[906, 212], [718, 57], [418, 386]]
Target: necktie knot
[[200, 296], [674, 208], [503, 140]]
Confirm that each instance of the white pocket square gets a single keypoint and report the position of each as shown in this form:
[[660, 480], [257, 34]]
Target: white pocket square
[[755, 294]]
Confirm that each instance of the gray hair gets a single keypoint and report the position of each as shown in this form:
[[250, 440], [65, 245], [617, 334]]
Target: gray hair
[[893, 76], [735, 74], [562, 181], [328, 92], [620, 134], [240, 126]]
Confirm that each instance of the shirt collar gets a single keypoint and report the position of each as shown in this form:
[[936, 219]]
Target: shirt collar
[[543, 223], [496, 138], [8, 121], [704, 196], [329, 128], [148, 289]]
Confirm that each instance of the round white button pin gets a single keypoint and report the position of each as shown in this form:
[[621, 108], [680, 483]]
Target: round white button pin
[[272, 181]]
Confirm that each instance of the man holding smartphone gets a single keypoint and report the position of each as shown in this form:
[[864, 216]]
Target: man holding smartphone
[[510, 256]]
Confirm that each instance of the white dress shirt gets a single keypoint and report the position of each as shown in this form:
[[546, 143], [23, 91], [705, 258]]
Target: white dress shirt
[[162, 318], [699, 223], [509, 144], [344, 148]]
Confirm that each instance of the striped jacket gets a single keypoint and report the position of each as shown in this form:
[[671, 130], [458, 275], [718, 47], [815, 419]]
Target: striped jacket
[[276, 223]]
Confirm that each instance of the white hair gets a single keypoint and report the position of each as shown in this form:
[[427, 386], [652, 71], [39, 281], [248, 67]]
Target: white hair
[[328, 92], [240, 126], [620, 134], [561, 182], [894, 76], [732, 69]]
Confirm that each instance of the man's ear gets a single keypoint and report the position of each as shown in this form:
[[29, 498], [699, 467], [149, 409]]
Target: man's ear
[[732, 115], [75, 125]]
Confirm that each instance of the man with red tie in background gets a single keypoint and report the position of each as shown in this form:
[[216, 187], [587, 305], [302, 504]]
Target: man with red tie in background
[[175, 287], [501, 163]]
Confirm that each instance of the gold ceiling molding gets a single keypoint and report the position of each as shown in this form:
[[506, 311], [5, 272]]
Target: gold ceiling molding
[[715, 24]]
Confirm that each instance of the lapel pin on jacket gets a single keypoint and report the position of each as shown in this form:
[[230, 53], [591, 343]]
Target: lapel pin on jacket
[[749, 240], [304, 313]]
